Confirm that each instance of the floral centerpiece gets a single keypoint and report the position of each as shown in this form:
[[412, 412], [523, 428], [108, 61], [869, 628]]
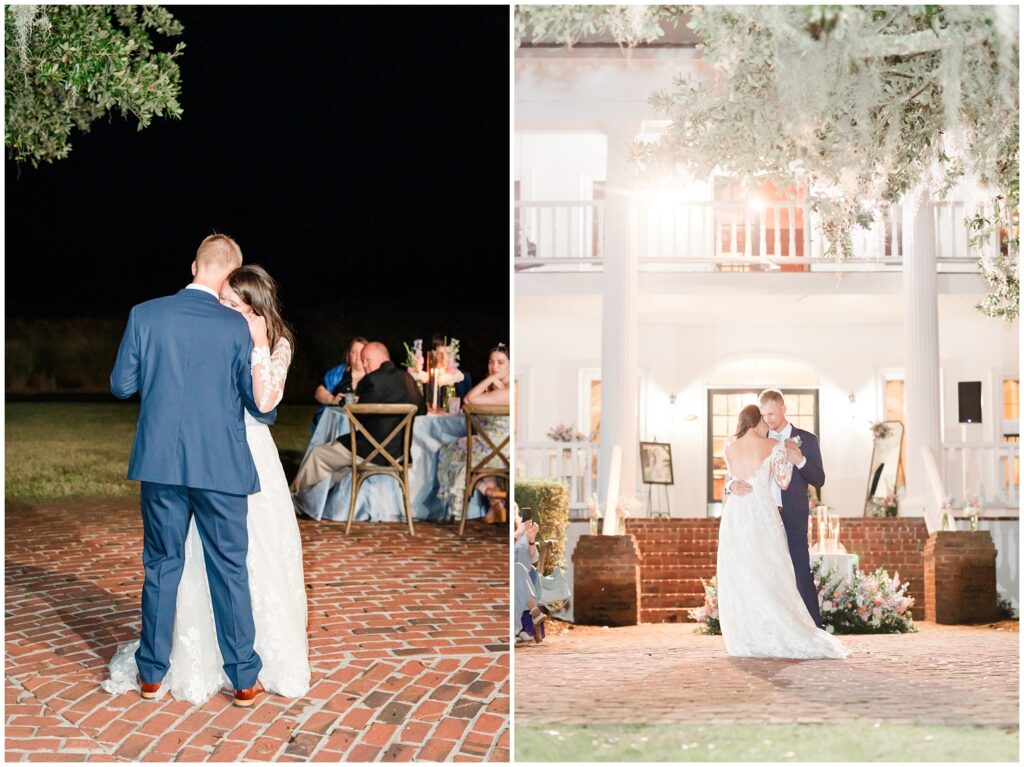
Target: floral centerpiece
[[885, 507], [624, 509], [881, 430], [707, 613], [414, 361], [594, 514], [446, 359], [866, 604], [565, 433]]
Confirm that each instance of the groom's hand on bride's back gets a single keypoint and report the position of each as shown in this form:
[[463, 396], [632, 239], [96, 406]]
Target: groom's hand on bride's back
[[739, 487]]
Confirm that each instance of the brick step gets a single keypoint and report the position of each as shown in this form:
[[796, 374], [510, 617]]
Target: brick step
[[669, 533], [691, 568], [668, 559], [671, 599], [664, 615], [675, 543], [679, 605], [661, 522]]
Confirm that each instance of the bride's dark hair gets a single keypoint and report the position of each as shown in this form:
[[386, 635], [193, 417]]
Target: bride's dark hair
[[750, 416], [257, 288]]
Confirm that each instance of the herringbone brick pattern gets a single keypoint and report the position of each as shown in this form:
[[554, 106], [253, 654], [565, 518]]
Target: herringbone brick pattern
[[408, 646]]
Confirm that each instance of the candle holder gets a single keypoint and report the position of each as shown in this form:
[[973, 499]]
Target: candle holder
[[973, 510], [435, 391]]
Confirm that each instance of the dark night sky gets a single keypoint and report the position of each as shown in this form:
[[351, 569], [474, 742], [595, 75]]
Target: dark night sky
[[359, 153]]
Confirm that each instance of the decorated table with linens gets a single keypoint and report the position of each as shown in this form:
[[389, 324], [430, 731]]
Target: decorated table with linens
[[843, 563], [380, 497]]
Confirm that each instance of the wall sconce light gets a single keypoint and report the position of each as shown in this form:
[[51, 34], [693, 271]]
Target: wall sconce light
[[853, 405], [671, 399]]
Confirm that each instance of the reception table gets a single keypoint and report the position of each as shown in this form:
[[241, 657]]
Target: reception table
[[380, 497], [846, 564]]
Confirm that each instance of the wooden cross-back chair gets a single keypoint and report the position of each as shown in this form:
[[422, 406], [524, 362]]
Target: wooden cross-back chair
[[397, 466], [477, 470]]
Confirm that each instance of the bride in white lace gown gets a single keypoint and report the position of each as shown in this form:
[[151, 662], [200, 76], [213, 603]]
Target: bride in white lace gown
[[760, 610], [274, 560]]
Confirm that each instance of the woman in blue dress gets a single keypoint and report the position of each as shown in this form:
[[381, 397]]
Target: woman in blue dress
[[340, 380]]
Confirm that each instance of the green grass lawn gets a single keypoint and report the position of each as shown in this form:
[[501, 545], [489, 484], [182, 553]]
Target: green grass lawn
[[853, 742], [80, 450]]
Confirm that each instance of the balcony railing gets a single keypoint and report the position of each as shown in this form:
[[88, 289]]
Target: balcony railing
[[990, 470], [726, 236], [572, 463]]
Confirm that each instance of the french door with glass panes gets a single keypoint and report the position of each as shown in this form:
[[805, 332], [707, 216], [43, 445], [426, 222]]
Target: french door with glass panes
[[724, 406]]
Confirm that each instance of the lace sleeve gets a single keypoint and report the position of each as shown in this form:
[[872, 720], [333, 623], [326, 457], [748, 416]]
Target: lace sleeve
[[782, 469], [269, 372]]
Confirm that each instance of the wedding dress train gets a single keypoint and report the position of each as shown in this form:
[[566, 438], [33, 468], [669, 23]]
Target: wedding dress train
[[760, 610], [276, 584]]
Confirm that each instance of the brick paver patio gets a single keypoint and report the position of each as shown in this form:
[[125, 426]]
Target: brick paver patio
[[408, 646], [665, 673]]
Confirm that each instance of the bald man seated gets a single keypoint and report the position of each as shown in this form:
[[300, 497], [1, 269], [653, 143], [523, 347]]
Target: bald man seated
[[383, 383]]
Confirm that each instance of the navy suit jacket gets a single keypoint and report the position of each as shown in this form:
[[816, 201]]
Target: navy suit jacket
[[189, 358]]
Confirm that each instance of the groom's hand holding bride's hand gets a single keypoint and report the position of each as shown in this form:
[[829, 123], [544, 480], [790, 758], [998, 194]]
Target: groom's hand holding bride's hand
[[793, 452]]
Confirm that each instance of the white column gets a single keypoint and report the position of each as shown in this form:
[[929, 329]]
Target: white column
[[920, 355], [619, 318]]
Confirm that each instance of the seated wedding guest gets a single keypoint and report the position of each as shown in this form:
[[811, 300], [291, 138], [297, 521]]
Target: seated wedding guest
[[340, 380], [493, 390], [466, 383], [451, 464], [382, 383], [529, 617]]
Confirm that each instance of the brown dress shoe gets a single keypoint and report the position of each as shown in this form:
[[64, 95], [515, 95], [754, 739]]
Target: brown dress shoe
[[149, 689], [246, 698]]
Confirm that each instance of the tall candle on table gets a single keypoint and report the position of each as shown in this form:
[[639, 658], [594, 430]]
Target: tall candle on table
[[611, 523]]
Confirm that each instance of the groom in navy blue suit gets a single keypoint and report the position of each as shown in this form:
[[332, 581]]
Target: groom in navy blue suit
[[189, 358], [803, 452]]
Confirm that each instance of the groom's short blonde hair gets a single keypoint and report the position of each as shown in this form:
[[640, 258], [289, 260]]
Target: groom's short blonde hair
[[220, 252], [770, 395]]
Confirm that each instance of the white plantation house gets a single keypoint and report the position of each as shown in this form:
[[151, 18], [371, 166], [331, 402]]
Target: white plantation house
[[647, 312]]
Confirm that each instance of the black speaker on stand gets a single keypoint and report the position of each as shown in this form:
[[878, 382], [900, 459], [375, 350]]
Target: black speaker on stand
[[969, 400]]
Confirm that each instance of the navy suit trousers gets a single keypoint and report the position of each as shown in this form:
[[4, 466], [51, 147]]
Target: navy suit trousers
[[221, 522]]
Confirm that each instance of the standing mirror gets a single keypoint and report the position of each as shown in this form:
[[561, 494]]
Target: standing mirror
[[884, 473]]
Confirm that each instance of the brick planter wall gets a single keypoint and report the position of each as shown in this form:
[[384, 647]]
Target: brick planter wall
[[606, 580], [677, 553], [893, 543], [960, 577]]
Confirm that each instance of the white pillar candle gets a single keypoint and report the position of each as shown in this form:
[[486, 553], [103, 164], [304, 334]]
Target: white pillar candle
[[611, 524]]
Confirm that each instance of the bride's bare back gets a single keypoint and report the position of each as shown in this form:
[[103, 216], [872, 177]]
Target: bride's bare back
[[744, 456]]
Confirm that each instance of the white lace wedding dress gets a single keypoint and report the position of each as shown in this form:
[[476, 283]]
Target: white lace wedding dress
[[276, 580], [759, 608]]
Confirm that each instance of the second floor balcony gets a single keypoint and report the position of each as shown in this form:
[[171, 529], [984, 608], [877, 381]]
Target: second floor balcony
[[715, 236]]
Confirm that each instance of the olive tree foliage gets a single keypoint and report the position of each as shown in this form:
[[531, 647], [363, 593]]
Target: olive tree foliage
[[68, 65], [860, 105]]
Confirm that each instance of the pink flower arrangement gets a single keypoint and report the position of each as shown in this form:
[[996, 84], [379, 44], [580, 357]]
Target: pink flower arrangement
[[707, 613], [867, 604]]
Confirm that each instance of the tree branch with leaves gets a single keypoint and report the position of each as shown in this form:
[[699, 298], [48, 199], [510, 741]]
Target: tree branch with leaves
[[68, 65], [861, 105]]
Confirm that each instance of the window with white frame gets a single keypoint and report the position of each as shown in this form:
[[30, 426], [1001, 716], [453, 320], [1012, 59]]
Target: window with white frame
[[724, 406]]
